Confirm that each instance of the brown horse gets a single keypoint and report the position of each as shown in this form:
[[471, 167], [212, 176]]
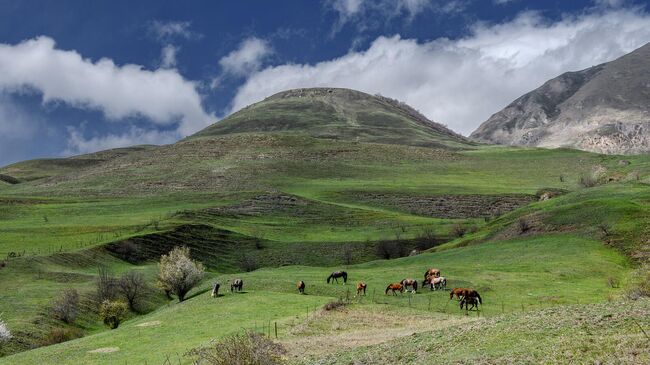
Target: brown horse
[[336, 275], [410, 282], [432, 272], [361, 287], [461, 293], [395, 287], [467, 301], [237, 284], [301, 287]]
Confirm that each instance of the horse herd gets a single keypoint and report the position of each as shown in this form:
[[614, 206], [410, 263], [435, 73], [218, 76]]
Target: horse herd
[[466, 296]]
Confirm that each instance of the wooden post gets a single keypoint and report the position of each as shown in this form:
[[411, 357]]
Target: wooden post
[[276, 330], [429, 305]]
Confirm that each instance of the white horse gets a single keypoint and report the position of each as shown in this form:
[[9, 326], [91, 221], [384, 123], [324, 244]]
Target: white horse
[[438, 283]]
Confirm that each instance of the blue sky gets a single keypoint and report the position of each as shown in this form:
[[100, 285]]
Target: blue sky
[[81, 76]]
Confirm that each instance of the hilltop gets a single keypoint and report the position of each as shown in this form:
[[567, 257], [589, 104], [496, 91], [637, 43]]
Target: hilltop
[[604, 109]]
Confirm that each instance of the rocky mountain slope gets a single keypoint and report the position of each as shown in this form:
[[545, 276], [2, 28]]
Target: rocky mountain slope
[[605, 109]]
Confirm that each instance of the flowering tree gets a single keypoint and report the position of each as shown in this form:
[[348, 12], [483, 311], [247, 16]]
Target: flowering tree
[[178, 273], [5, 334]]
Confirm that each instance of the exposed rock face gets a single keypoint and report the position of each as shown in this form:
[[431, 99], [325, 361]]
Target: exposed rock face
[[605, 108]]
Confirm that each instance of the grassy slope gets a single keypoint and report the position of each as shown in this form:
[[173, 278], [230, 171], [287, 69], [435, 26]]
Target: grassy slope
[[526, 273]]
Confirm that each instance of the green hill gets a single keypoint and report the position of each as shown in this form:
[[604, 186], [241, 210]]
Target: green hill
[[303, 183]]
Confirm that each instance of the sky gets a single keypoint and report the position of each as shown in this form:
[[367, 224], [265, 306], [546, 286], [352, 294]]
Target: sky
[[82, 76]]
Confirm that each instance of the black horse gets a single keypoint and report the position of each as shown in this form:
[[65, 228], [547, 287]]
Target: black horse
[[237, 284], [215, 289], [469, 300], [336, 275]]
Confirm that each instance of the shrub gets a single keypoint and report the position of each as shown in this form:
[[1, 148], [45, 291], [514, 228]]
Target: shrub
[[249, 348], [588, 180], [523, 225], [426, 239], [178, 273], [613, 282], [248, 263], [458, 230], [348, 254], [112, 312], [133, 286], [58, 335], [390, 249], [641, 286], [5, 334], [66, 306], [335, 304]]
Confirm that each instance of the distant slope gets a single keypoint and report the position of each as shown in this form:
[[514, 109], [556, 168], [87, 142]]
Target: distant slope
[[605, 109], [337, 114]]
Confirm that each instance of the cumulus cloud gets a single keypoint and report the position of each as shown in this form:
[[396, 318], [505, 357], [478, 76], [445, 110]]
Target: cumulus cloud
[[78, 143], [162, 96], [462, 82], [247, 58]]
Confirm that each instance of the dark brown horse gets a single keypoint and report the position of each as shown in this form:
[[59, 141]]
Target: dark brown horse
[[215, 289], [237, 284], [361, 287], [410, 282], [431, 272], [336, 275], [301, 287], [395, 287], [467, 301]]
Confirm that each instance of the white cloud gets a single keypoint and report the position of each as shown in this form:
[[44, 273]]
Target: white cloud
[[165, 31], [162, 96], [462, 82], [247, 58], [168, 56], [78, 143]]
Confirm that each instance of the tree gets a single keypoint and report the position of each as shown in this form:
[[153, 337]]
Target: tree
[[112, 312], [178, 273], [106, 285], [66, 306], [133, 286]]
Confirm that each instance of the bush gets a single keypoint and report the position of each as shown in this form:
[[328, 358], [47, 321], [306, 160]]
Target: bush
[[391, 249], [5, 334], [588, 180], [458, 230], [113, 312], [133, 286], [336, 304], [248, 263], [523, 225], [641, 286], [58, 335], [248, 348], [178, 273], [348, 254], [66, 306], [613, 282]]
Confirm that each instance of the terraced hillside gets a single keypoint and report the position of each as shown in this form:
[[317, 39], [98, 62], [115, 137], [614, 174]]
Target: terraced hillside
[[301, 184]]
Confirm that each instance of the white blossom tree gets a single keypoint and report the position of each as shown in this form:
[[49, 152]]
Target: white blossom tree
[[178, 273]]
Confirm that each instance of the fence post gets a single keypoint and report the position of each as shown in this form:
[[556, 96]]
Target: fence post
[[276, 330], [429, 305]]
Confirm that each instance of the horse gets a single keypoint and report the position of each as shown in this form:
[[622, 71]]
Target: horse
[[438, 283], [237, 284], [461, 293], [361, 287], [466, 301], [336, 275], [301, 287], [410, 282], [395, 287], [215, 289], [431, 272]]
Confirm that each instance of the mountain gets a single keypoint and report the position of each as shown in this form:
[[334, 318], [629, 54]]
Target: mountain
[[605, 109], [310, 125], [335, 113]]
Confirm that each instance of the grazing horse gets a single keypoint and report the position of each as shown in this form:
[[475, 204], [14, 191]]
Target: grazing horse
[[215, 289], [466, 301], [461, 293], [336, 275], [410, 282], [237, 284], [301, 287], [361, 287], [395, 287], [439, 283], [431, 272]]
